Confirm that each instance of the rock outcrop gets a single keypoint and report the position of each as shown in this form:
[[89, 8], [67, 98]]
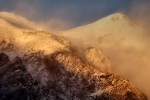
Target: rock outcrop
[[37, 65], [98, 59], [68, 78]]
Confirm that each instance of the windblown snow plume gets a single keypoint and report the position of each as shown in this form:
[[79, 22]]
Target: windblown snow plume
[[59, 69], [124, 43]]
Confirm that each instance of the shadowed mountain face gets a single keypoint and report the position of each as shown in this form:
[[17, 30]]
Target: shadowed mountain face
[[37, 65], [68, 78]]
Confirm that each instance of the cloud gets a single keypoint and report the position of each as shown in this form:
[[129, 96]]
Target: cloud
[[139, 13], [18, 21], [130, 54], [124, 42]]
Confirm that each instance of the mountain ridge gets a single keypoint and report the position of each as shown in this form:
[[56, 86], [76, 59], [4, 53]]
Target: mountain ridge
[[52, 61], [62, 76]]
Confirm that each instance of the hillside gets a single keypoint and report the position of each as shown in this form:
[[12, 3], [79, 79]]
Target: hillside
[[122, 41], [37, 65]]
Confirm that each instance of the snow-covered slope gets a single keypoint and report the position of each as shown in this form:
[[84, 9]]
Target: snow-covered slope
[[123, 42], [56, 68], [27, 44], [98, 59], [116, 27], [24, 39], [64, 77]]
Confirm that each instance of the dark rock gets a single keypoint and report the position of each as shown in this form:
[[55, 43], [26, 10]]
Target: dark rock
[[3, 59], [68, 78]]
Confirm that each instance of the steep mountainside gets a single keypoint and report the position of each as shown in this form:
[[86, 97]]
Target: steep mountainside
[[98, 59], [64, 77], [124, 43], [37, 65], [113, 28]]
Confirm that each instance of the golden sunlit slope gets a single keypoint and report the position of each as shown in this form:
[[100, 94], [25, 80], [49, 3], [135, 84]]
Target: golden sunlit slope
[[26, 40], [33, 41], [32, 46], [50, 64], [117, 27], [106, 25], [98, 59], [125, 44]]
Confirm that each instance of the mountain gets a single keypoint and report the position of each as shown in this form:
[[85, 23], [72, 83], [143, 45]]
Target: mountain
[[37, 65], [98, 59], [122, 41], [64, 77], [115, 27]]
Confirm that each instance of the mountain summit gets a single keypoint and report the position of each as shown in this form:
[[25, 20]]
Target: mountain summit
[[117, 17], [111, 24], [37, 65], [124, 43]]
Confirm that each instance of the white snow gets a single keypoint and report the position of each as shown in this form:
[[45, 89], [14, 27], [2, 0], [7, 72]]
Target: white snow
[[123, 42], [98, 59], [97, 93], [29, 41]]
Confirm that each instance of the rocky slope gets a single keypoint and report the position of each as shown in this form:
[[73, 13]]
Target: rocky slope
[[37, 65], [61, 74], [124, 43], [68, 78], [98, 59]]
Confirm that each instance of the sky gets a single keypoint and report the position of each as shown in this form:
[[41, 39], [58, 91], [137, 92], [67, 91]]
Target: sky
[[73, 12]]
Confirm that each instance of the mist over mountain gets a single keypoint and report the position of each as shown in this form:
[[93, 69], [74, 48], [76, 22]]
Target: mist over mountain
[[81, 63], [124, 43]]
